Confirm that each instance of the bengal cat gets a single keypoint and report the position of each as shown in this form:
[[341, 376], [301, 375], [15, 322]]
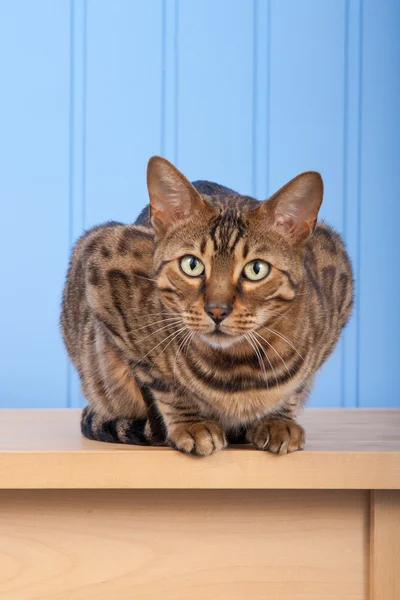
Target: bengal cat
[[208, 318]]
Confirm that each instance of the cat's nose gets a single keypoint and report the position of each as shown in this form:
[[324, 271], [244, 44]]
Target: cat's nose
[[218, 312]]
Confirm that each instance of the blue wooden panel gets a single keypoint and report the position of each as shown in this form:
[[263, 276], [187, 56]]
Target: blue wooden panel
[[378, 272], [77, 150], [34, 110], [307, 117], [215, 91], [169, 79], [261, 97], [123, 105], [246, 93], [118, 82], [351, 190]]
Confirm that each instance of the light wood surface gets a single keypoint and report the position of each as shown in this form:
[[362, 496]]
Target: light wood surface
[[328, 430], [385, 545], [346, 449], [183, 545], [283, 541]]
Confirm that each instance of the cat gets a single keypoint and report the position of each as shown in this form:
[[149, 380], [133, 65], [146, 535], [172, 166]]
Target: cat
[[207, 319]]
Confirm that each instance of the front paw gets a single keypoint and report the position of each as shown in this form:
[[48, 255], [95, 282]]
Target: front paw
[[200, 439], [279, 436]]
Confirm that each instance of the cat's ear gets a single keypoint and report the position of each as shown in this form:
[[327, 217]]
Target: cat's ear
[[172, 196], [294, 208]]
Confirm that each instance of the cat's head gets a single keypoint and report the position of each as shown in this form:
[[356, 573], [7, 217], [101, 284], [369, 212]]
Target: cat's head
[[229, 265]]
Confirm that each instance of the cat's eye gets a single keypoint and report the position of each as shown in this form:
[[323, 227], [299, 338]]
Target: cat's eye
[[256, 270], [192, 266]]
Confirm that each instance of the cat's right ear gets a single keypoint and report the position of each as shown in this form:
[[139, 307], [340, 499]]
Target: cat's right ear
[[172, 196], [294, 208]]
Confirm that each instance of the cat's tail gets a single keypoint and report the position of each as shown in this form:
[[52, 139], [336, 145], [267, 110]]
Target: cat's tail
[[115, 431], [131, 431]]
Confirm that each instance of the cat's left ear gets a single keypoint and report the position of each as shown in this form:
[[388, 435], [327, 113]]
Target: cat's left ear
[[172, 196], [294, 208]]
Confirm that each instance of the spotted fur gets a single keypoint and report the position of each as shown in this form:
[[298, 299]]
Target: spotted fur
[[154, 366]]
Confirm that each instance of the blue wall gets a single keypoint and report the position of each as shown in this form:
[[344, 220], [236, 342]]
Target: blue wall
[[247, 93]]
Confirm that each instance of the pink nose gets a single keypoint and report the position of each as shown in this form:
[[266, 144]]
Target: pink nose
[[218, 312]]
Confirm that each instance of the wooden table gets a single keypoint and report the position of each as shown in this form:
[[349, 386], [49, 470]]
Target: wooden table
[[85, 520]]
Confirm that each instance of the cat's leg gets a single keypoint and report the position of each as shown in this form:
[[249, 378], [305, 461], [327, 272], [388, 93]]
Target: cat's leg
[[117, 411], [120, 430], [187, 430], [279, 433]]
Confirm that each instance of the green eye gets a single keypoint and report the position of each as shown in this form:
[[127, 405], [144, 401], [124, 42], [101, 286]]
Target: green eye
[[256, 270], [192, 266]]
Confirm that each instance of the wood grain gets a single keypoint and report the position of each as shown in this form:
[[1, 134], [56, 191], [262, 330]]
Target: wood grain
[[346, 449], [385, 545], [183, 545], [328, 430]]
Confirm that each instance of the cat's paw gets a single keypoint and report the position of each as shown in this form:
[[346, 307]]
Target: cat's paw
[[279, 436], [200, 439]]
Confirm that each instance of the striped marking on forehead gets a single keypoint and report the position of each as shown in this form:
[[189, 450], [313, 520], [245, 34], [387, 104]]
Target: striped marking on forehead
[[226, 231]]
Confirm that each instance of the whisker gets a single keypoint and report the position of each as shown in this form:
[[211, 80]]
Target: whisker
[[174, 324], [259, 357], [284, 338], [156, 323], [266, 355], [170, 342], [157, 314], [141, 277], [189, 342], [276, 352], [156, 346], [279, 315], [180, 347], [260, 360]]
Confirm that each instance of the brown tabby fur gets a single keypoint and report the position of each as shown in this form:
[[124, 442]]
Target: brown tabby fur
[[152, 365]]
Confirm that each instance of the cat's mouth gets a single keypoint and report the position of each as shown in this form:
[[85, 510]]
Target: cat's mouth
[[220, 339], [218, 332]]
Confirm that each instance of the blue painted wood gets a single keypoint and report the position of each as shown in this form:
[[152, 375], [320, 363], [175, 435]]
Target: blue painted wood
[[306, 119], [123, 100], [34, 138], [77, 149], [215, 45], [261, 96], [119, 106], [170, 80], [245, 93], [379, 209], [351, 188]]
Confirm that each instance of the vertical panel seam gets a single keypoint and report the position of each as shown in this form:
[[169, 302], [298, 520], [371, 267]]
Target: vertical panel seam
[[268, 100], [71, 164], [84, 125], [254, 99], [170, 80], [77, 146], [345, 174], [369, 550], [163, 74], [351, 190], [359, 169], [84, 128], [176, 83], [260, 99]]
